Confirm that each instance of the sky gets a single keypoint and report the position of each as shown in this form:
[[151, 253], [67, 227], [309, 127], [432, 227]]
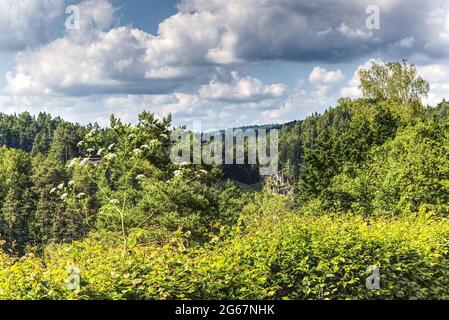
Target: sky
[[226, 63]]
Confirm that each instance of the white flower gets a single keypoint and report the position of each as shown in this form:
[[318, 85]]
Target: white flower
[[131, 136], [203, 171], [184, 164], [178, 173], [91, 133], [90, 150], [111, 147], [110, 156], [154, 142], [53, 190], [84, 161], [81, 195], [145, 146], [100, 152], [114, 201], [71, 183], [61, 186], [65, 195], [80, 144], [137, 152], [72, 163], [140, 177]]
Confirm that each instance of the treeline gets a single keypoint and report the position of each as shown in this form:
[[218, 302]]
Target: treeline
[[91, 179]]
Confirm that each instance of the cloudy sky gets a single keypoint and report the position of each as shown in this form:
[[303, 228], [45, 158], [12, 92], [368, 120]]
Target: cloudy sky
[[224, 62]]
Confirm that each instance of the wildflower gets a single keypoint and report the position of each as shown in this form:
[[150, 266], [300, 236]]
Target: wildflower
[[145, 146], [140, 177], [80, 144], [114, 201], [111, 147], [90, 150], [131, 136], [84, 161], [203, 172], [61, 186], [53, 190], [110, 156], [64, 196], [137, 152], [178, 173], [71, 183], [91, 133], [100, 152], [81, 195], [72, 163]]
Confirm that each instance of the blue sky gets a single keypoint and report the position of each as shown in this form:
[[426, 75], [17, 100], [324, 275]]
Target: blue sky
[[224, 63]]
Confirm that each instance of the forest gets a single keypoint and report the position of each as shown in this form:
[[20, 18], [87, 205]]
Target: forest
[[364, 184]]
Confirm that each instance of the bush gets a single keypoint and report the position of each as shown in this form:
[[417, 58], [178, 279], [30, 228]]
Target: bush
[[272, 254]]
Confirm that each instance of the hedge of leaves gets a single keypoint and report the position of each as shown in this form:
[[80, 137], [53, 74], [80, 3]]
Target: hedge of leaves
[[271, 254]]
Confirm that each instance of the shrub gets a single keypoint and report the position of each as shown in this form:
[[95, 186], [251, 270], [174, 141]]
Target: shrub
[[272, 254]]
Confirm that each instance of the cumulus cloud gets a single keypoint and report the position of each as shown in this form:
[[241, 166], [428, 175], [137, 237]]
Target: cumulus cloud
[[206, 34], [114, 62], [241, 89], [320, 76], [438, 77], [300, 103], [302, 30], [27, 22], [186, 108], [104, 67], [97, 15]]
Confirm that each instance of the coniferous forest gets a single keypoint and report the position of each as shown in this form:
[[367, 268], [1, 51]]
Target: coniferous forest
[[363, 185]]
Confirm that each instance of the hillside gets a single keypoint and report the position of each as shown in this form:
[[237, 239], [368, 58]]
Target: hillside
[[366, 184]]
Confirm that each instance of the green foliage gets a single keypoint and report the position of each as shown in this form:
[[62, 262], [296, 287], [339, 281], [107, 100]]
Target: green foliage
[[272, 254], [16, 201], [398, 84], [407, 175], [365, 184]]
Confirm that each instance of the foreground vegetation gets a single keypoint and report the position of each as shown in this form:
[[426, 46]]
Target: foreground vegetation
[[365, 184], [282, 255]]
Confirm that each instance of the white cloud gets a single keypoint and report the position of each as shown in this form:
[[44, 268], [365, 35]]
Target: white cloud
[[438, 77], [182, 69], [320, 76], [204, 35], [407, 42], [300, 103], [354, 33], [241, 89], [27, 22], [97, 15], [116, 61]]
